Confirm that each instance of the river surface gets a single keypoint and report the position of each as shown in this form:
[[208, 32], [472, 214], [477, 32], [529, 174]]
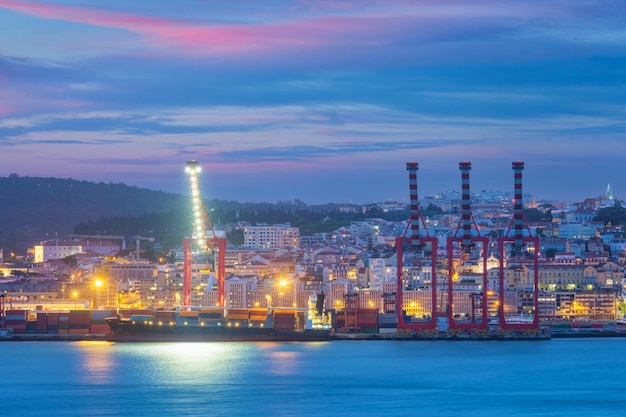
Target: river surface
[[562, 377]]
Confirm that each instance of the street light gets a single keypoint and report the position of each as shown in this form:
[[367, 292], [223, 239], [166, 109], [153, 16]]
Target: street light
[[74, 297], [98, 284], [282, 284]]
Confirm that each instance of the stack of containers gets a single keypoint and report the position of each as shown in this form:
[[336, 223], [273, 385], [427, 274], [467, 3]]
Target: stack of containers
[[53, 323], [189, 318], [238, 317], [340, 321], [42, 323], [79, 321], [16, 320], [31, 323], [98, 324], [141, 318], [300, 320], [127, 313], [64, 323], [284, 319], [165, 317], [142, 312], [210, 316], [258, 317], [388, 322], [367, 320]]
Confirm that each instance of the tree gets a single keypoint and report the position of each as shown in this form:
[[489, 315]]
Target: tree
[[431, 210], [536, 215], [550, 252], [613, 215], [235, 237], [70, 261]]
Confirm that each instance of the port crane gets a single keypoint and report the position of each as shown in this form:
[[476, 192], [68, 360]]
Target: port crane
[[205, 239]]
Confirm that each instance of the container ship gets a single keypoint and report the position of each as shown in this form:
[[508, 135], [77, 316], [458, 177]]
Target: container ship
[[217, 324]]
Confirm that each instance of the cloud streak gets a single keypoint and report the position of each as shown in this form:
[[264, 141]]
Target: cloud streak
[[303, 92]]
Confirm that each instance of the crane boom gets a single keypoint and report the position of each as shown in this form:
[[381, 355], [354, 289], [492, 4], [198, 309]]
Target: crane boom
[[203, 239]]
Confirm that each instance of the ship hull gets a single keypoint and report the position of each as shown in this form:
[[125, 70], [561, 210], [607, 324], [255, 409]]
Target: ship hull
[[129, 331]]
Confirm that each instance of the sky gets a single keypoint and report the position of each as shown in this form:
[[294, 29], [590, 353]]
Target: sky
[[317, 100]]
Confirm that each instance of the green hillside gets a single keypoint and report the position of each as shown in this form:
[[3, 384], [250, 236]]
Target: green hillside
[[33, 209]]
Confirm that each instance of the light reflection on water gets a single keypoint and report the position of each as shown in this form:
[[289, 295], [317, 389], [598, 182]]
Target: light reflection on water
[[560, 377], [180, 363], [96, 360]]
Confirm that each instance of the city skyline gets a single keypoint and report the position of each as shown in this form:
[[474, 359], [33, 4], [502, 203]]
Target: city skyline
[[324, 101]]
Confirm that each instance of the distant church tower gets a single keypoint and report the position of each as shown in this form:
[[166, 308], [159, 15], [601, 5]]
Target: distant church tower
[[609, 198], [609, 193]]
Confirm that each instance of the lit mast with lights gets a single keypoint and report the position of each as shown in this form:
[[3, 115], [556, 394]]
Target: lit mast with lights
[[201, 238]]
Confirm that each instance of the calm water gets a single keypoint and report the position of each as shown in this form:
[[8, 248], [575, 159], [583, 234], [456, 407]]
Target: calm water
[[555, 378]]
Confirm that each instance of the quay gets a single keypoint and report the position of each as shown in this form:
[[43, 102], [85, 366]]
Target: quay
[[443, 336], [5, 337], [396, 336]]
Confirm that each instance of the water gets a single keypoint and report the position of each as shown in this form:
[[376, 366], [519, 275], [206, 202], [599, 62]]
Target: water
[[563, 377]]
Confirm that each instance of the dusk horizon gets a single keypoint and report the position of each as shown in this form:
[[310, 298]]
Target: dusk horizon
[[320, 101]]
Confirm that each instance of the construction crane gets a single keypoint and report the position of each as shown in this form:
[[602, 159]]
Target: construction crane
[[203, 239], [137, 239]]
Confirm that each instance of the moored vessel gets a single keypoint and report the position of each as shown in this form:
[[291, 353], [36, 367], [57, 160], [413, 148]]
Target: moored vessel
[[215, 324]]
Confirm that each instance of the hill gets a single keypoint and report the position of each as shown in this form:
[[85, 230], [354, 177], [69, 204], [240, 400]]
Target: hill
[[33, 209]]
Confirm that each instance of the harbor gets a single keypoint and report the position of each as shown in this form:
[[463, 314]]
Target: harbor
[[253, 325]]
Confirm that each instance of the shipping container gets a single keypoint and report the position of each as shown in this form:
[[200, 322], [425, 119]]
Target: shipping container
[[53, 319], [237, 314], [22, 313], [99, 329], [369, 329], [214, 310], [101, 315], [141, 318], [42, 323]]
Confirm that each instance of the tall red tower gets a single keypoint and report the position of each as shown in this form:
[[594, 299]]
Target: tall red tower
[[416, 244], [460, 249], [521, 246]]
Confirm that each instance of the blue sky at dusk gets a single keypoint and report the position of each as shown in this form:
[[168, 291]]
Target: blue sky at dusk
[[320, 100]]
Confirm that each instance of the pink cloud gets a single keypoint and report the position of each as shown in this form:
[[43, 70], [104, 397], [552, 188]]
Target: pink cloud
[[210, 36], [191, 37], [352, 29]]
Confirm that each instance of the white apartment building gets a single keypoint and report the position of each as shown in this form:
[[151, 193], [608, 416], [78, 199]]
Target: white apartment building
[[56, 249], [382, 270], [579, 230], [275, 236], [59, 249]]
